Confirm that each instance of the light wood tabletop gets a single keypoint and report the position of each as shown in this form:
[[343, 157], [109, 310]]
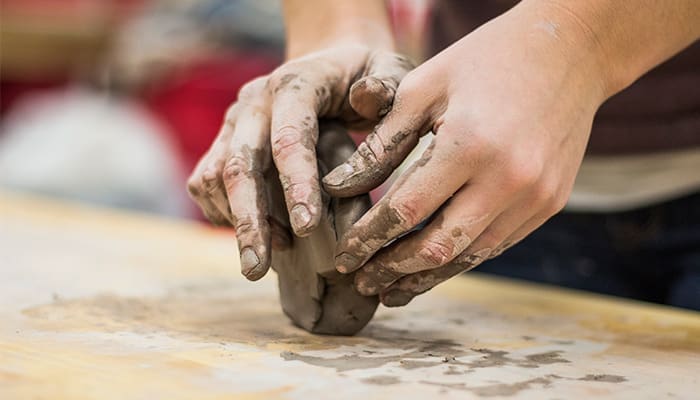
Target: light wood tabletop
[[104, 304]]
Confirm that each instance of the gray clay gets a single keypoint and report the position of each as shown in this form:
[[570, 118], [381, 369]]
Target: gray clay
[[313, 294]]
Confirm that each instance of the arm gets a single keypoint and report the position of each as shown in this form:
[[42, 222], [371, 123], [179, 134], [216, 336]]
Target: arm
[[511, 106]]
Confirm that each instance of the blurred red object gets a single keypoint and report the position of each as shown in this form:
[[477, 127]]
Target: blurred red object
[[193, 104]]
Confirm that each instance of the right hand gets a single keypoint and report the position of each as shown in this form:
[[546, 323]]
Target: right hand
[[276, 119]]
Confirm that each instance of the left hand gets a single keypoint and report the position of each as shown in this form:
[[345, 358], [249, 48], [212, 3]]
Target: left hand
[[511, 106]]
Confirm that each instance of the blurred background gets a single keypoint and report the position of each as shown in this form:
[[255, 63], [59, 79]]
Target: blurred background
[[113, 101]]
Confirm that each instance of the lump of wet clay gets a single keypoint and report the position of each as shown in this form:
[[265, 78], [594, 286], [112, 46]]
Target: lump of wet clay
[[312, 293]]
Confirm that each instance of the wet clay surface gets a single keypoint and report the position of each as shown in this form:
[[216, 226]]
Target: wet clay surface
[[200, 314], [121, 307]]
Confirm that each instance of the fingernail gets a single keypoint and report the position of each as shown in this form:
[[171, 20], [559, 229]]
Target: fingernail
[[396, 298], [249, 261], [339, 175], [345, 263], [301, 217]]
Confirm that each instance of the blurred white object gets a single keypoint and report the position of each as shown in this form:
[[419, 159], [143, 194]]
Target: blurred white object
[[83, 145]]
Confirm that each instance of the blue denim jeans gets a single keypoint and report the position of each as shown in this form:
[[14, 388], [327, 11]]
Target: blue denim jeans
[[650, 254]]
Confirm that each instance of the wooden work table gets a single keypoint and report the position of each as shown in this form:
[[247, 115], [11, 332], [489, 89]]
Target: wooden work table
[[101, 304]]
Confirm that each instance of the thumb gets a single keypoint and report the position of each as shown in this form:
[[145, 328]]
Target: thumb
[[373, 95]]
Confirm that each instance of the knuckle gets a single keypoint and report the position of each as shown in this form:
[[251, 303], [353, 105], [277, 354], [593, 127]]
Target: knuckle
[[246, 224], [557, 203], [365, 151], [522, 175], [210, 179], [296, 187], [437, 250], [546, 194], [236, 167], [408, 213], [286, 139]]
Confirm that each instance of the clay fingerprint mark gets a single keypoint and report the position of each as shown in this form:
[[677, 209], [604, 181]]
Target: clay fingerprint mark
[[603, 378], [497, 389], [457, 360], [418, 354], [511, 389], [430, 354], [382, 380]]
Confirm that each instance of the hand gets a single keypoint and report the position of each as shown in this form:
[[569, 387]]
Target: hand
[[511, 106], [276, 119]]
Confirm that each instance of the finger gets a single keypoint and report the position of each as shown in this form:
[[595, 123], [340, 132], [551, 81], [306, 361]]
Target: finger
[[417, 194], [245, 189], [294, 136], [211, 213], [495, 237], [405, 289], [214, 189], [468, 213], [197, 194], [372, 96], [205, 185], [381, 152]]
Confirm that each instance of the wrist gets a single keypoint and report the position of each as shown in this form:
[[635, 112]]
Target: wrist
[[624, 39], [569, 37], [362, 32], [313, 25]]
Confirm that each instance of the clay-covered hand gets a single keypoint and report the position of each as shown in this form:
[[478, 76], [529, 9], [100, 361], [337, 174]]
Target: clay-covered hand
[[511, 107], [276, 119]]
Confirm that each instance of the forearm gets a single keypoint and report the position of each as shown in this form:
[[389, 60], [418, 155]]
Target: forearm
[[627, 38], [316, 24]]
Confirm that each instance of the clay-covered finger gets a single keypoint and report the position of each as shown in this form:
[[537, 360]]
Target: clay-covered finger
[[450, 232], [294, 135], [243, 177], [404, 290], [200, 196], [377, 157], [373, 95], [205, 185]]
